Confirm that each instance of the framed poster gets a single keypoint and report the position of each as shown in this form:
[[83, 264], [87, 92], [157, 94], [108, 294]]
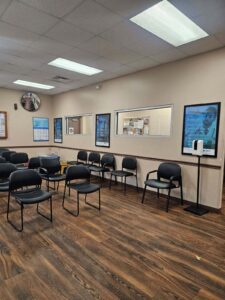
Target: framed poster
[[40, 129], [58, 130], [3, 125], [201, 122], [102, 130]]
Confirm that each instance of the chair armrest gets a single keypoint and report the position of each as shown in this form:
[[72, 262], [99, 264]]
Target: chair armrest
[[148, 174], [175, 178]]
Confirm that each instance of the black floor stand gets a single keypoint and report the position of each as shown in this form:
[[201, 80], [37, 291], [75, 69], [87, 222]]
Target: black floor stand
[[197, 209]]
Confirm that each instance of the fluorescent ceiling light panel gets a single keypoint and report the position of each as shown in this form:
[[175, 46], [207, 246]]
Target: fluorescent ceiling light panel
[[170, 24], [73, 66], [34, 84]]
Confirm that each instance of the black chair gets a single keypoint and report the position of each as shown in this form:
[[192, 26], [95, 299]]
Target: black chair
[[50, 170], [107, 165], [94, 159], [171, 172], [2, 160], [7, 155], [82, 158], [129, 168], [5, 170], [34, 163], [84, 186], [3, 150], [25, 187], [19, 159]]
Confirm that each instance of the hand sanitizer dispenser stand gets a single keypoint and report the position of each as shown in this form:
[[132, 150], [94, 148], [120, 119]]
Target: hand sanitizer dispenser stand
[[197, 149]]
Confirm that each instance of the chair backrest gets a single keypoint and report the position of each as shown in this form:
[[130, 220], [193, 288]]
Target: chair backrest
[[94, 157], [51, 165], [24, 178], [6, 169], [19, 158], [166, 170], [108, 160], [34, 163], [129, 163], [77, 172], [3, 150], [7, 154], [2, 160], [82, 155]]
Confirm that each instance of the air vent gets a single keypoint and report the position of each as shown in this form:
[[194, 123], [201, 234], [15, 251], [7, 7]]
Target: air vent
[[61, 79]]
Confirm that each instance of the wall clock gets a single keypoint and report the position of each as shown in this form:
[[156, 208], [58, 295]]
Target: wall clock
[[30, 101]]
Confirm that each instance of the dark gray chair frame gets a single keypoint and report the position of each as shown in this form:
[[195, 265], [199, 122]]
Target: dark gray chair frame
[[22, 185], [19, 159], [7, 155], [172, 173], [107, 165], [5, 171], [128, 163], [80, 172]]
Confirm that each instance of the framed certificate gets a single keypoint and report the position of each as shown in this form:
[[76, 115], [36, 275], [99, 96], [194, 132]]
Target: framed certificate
[[3, 125]]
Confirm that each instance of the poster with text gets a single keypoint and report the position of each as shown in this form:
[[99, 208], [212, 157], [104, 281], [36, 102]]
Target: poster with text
[[58, 131], [201, 122], [102, 130], [40, 129]]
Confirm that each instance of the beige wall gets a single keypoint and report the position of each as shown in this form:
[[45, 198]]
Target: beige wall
[[20, 131], [198, 79]]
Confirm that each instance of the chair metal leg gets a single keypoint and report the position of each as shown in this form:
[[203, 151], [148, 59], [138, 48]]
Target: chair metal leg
[[64, 194], [125, 184], [58, 186], [92, 205], [137, 183], [44, 216], [110, 181], [143, 196], [181, 194], [76, 214], [168, 200], [21, 216], [157, 193]]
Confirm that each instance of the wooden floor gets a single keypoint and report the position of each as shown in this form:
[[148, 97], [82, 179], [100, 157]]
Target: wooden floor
[[126, 251]]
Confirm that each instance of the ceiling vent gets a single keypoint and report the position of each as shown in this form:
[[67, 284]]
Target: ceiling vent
[[61, 79]]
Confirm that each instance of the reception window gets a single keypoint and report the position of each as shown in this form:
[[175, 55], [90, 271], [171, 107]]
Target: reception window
[[150, 121], [80, 124]]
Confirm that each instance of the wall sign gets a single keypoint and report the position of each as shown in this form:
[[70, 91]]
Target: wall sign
[[201, 122], [3, 125], [40, 129], [58, 130], [102, 130]]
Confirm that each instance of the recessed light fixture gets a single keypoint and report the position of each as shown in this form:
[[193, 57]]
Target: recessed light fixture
[[34, 84], [170, 24], [73, 66]]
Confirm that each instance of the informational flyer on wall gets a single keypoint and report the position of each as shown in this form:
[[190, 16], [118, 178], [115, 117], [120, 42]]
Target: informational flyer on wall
[[40, 129], [201, 122], [102, 130], [58, 136], [3, 125]]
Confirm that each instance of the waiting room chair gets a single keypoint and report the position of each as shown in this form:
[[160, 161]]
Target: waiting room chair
[[7, 155], [50, 170], [20, 159], [2, 160], [171, 173], [94, 159], [107, 165], [5, 171], [34, 163], [129, 168], [25, 187], [3, 150], [81, 174]]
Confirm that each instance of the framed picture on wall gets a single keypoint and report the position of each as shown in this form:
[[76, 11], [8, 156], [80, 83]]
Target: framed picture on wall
[[58, 130], [201, 122], [3, 125], [40, 129], [102, 130]]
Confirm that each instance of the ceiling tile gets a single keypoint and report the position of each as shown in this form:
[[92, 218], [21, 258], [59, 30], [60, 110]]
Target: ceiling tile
[[57, 8], [29, 18], [4, 5], [81, 56], [127, 8], [143, 63], [202, 45], [221, 37], [169, 55], [93, 17], [68, 33]]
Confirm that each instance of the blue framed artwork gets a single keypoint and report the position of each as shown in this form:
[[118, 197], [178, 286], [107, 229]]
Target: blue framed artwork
[[40, 129], [58, 130], [201, 122], [102, 130]]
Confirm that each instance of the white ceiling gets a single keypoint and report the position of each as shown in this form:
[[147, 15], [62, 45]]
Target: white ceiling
[[97, 33]]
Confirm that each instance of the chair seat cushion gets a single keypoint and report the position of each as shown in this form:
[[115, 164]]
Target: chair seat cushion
[[4, 186], [84, 188], [122, 173], [31, 196], [159, 184], [54, 177]]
